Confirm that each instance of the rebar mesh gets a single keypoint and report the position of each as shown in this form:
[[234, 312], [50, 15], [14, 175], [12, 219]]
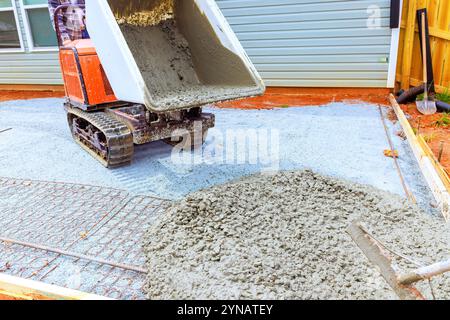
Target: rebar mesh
[[99, 222]]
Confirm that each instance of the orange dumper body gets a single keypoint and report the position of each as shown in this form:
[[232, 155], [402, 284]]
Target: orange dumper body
[[85, 81]]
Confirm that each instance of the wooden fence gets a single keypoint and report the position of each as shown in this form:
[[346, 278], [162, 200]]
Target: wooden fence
[[409, 69]]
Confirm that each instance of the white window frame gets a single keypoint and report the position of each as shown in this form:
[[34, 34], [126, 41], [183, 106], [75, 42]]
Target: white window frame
[[28, 32], [13, 8]]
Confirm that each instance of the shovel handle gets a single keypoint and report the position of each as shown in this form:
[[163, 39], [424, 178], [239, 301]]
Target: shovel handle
[[424, 57]]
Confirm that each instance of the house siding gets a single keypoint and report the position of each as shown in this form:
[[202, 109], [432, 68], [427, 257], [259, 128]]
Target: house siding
[[304, 43], [321, 43], [29, 67]]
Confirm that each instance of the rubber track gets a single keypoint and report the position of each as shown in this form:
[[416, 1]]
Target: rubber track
[[118, 136]]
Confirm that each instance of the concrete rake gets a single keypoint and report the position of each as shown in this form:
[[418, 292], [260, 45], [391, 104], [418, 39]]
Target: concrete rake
[[378, 255]]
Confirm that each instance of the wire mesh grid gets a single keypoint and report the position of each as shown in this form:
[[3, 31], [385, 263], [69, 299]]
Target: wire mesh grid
[[98, 222]]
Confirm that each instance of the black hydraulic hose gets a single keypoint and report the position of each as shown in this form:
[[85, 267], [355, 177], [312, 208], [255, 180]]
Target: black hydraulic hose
[[410, 95], [442, 106]]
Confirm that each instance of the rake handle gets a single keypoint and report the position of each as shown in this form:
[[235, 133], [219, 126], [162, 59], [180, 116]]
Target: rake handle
[[424, 273]]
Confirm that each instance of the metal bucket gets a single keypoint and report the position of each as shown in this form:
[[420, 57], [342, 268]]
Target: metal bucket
[[170, 54]]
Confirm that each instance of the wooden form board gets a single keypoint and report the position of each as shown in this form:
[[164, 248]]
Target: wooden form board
[[13, 288], [433, 172], [409, 70]]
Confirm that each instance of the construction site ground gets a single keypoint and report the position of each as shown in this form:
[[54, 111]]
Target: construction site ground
[[435, 131], [97, 222], [54, 194], [6, 95], [281, 97]]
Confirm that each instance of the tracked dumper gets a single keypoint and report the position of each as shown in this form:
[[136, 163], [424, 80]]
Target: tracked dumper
[[146, 72]]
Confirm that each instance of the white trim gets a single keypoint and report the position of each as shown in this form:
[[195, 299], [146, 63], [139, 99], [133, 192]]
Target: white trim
[[27, 25], [16, 18], [393, 56], [34, 6], [44, 49]]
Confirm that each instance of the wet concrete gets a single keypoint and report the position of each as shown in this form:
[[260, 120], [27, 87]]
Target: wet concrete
[[284, 237], [183, 62], [214, 64], [163, 57], [142, 13]]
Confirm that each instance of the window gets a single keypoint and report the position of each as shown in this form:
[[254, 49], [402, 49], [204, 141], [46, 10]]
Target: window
[[9, 32], [40, 33]]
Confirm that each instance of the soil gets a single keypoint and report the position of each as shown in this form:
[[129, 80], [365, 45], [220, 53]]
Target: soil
[[6, 95], [433, 134], [284, 236], [279, 97]]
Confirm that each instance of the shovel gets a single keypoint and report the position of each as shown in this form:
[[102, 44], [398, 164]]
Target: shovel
[[427, 106]]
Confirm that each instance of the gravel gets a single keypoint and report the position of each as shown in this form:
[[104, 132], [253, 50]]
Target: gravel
[[283, 236], [340, 140]]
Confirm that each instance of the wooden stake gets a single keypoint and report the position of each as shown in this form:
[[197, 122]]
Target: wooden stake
[[441, 151], [434, 173], [23, 289]]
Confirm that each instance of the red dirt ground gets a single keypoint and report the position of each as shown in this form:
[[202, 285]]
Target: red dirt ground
[[290, 97], [274, 97], [6, 95], [433, 134]]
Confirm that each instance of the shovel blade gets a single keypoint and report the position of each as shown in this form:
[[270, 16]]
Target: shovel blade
[[426, 107]]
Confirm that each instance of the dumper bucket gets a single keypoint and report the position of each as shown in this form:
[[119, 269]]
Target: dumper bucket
[[170, 54]]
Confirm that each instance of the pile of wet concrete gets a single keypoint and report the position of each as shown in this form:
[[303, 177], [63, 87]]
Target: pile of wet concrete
[[284, 236]]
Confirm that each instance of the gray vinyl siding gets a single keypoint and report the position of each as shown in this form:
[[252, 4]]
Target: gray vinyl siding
[[306, 43], [29, 67]]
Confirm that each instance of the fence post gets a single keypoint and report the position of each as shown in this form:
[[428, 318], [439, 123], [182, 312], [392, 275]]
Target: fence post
[[408, 44]]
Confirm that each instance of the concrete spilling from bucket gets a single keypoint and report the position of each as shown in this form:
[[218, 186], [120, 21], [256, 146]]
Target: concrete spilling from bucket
[[181, 57], [283, 237], [148, 13]]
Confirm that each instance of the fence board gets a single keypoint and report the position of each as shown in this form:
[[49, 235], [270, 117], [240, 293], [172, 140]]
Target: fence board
[[409, 70]]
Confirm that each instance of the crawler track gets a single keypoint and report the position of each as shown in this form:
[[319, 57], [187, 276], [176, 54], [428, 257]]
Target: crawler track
[[104, 137]]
